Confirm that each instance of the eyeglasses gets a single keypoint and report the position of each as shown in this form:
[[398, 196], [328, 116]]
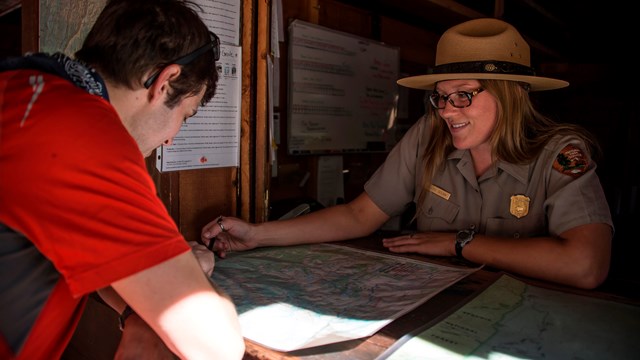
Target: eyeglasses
[[184, 60], [458, 99]]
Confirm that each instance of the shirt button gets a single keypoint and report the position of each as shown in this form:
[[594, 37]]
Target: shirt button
[[430, 211], [516, 235]]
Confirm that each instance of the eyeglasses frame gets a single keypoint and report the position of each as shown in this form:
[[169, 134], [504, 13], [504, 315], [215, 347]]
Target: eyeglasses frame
[[214, 44], [468, 94]]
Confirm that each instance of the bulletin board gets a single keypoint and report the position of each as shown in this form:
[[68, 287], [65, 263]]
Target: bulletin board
[[342, 92]]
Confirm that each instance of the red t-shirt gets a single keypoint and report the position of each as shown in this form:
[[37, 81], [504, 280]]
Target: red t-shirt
[[73, 181]]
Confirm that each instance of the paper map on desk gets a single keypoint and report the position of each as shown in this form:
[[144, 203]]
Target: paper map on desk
[[513, 320], [296, 297]]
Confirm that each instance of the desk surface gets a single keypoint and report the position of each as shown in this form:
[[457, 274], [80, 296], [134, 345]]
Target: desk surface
[[441, 304]]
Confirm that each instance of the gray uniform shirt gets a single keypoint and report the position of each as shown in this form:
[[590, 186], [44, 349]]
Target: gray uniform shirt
[[545, 201]]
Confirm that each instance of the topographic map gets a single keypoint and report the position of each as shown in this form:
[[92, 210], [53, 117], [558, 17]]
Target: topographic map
[[296, 297], [513, 320]]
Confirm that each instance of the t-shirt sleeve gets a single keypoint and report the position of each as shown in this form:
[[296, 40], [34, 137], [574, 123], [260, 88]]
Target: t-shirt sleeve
[[80, 191], [117, 225]]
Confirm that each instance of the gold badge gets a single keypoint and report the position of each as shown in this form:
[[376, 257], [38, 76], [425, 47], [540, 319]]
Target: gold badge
[[519, 206]]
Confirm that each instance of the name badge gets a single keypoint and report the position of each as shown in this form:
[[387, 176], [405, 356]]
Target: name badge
[[519, 206], [436, 190]]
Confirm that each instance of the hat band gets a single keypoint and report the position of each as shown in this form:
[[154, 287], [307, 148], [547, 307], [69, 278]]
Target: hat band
[[488, 67]]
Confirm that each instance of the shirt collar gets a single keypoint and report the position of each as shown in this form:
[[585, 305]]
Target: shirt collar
[[519, 172], [75, 71]]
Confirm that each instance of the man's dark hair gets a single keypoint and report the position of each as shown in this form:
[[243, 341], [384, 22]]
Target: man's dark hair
[[132, 38]]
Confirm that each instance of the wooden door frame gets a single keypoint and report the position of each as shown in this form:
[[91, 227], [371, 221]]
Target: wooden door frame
[[30, 26]]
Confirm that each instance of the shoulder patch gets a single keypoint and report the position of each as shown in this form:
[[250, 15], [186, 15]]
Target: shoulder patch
[[571, 161]]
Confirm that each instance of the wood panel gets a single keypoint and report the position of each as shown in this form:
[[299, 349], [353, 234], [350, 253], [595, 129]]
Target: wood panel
[[247, 150], [262, 141], [205, 194], [416, 45], [346, 18], [30, 25], [307, 10]]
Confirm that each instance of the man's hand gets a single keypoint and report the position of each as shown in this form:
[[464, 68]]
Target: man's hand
[[205, 257]]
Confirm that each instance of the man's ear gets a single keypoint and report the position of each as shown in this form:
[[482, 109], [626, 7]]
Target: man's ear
[[160, 88]]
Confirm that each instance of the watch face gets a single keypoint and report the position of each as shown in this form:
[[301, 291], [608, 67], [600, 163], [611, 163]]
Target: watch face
[[462, 238], [464, 235]]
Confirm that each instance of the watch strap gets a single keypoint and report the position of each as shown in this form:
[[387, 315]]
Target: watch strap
[[459, 247], [123, 317], [460, 243]]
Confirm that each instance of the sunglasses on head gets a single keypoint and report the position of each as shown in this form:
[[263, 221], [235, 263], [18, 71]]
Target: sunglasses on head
[[214, 45]]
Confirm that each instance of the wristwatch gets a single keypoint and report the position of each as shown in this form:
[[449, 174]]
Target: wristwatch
[[463, 237]]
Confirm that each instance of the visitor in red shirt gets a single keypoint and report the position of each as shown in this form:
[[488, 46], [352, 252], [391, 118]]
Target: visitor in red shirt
[[79, 210]]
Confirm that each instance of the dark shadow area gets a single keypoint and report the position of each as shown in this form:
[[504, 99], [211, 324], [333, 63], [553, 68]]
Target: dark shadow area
[[11, 30]]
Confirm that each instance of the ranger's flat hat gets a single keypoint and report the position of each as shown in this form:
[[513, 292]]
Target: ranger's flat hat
[[482, 49]]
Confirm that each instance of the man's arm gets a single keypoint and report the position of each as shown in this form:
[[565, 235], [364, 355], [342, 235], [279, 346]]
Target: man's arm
[[179, 303], [139, 341]]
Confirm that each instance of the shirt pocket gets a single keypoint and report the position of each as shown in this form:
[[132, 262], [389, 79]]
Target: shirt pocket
[[437, 214]]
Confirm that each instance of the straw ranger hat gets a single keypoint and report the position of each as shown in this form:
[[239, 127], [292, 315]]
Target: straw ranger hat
[[482, 49]]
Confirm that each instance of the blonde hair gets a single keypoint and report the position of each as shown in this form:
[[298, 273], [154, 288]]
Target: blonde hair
[[520, 134]]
